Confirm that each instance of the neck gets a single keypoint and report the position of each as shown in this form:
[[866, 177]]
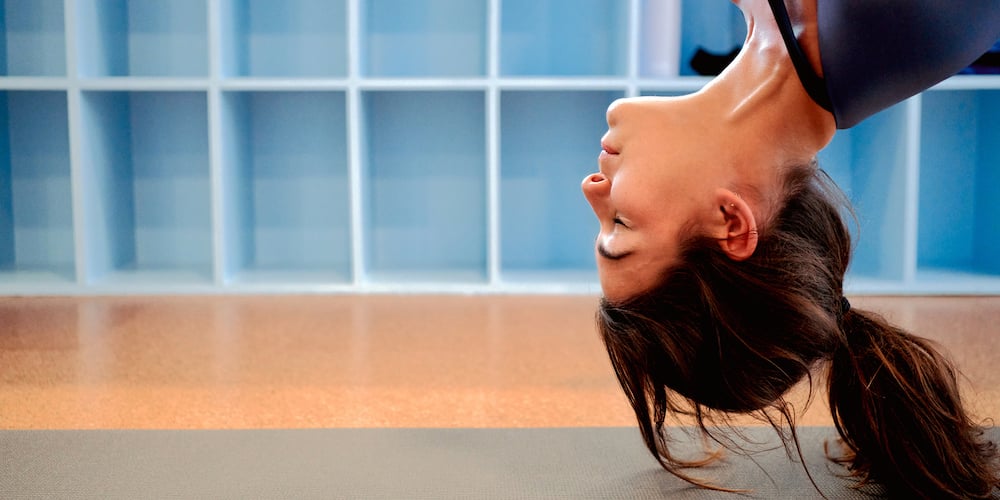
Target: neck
[[761, 95]]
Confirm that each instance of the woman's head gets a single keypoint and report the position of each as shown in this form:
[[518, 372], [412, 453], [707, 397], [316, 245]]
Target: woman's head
[[735, 334], [668, 167]]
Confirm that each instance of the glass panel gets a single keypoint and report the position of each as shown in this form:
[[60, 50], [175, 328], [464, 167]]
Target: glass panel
[[143, 38], [959, 182], [32, 39], [288, 196], [147, 191], [36, 202], [425, 185], [294, 38], [424, 38], [564, 38]]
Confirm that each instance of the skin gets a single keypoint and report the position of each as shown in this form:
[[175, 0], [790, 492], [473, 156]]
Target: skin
[[708, 161]]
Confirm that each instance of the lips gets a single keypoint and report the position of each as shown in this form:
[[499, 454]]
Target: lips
[[607, 152]]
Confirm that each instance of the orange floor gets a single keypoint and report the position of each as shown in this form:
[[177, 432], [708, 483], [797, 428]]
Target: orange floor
[[363, 361]]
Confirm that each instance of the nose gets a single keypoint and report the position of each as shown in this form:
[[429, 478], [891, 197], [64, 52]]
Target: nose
[[596, 188]]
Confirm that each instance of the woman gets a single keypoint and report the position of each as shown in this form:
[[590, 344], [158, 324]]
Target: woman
[[722, 251]]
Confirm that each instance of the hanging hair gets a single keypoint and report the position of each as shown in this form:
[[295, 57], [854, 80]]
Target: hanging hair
[[719, 337]]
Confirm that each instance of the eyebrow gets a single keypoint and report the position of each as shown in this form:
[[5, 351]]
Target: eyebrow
[[611, 256]]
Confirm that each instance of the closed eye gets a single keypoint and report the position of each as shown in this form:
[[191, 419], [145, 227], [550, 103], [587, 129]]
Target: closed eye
[[610, 256]]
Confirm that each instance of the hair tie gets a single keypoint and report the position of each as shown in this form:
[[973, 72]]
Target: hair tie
[[845, 305]]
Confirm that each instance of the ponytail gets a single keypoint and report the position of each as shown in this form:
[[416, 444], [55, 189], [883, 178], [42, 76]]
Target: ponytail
[[896, 405]]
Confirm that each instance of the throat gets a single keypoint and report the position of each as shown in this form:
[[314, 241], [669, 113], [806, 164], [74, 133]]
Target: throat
[[761, 94]]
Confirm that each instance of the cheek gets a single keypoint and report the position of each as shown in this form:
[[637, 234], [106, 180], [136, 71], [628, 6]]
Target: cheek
[[642, 177], [636, 198], [628, 192]]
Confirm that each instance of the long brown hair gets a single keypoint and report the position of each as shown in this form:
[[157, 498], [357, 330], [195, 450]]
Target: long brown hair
[[718, 337]]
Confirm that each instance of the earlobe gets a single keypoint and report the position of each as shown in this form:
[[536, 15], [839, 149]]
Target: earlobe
[[735, 226]]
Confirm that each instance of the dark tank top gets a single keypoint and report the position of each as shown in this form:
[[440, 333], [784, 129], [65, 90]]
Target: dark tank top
[[876, 53]]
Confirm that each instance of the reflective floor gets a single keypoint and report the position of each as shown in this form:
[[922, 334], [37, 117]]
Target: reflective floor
[[365, 361]]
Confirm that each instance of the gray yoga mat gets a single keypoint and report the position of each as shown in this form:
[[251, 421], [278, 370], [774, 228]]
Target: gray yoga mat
[[571, 463]]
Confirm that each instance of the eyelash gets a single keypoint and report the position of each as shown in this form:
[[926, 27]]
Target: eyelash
[[619, 222]]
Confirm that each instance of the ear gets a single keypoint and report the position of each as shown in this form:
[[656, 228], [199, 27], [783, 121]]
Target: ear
[[733, 225]]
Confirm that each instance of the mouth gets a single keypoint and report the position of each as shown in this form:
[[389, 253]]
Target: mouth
[[607, 151]]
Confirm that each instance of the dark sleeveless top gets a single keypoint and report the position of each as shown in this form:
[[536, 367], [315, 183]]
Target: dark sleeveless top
[[876, 53]]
